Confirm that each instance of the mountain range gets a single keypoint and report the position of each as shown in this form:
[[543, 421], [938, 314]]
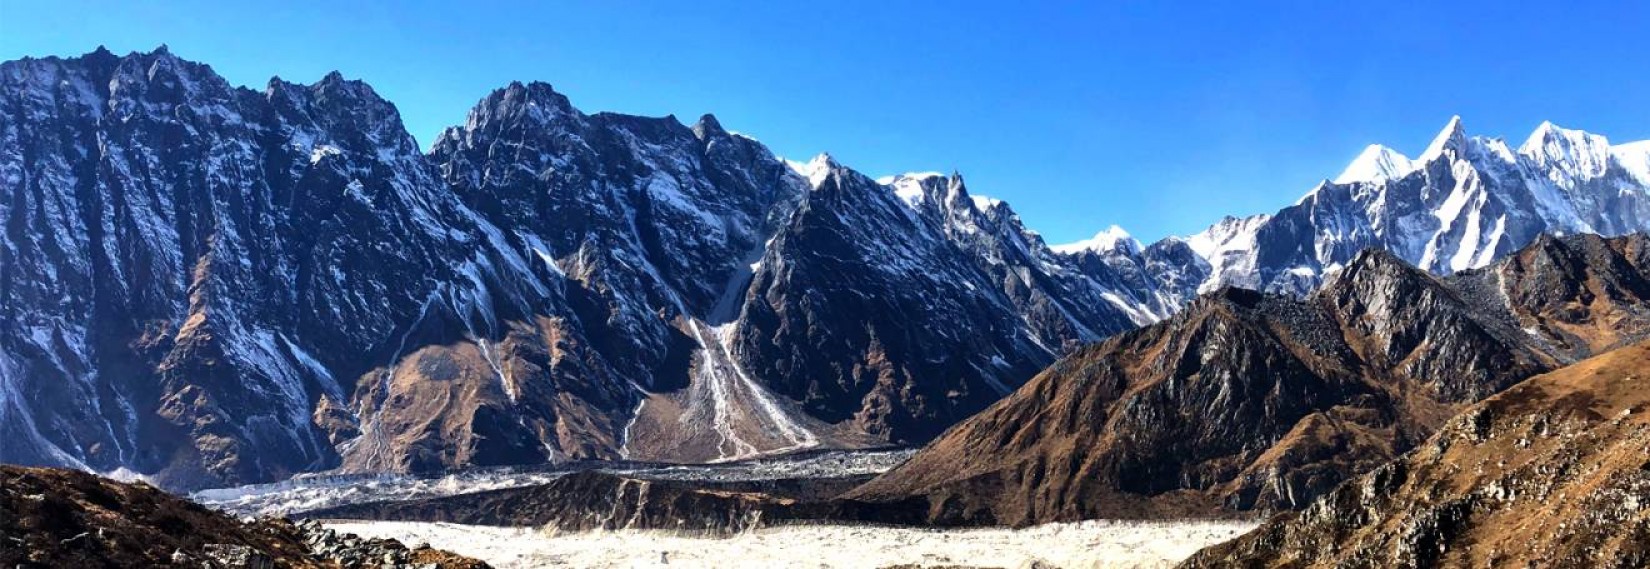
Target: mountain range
[[209, 285], [1254, 401]]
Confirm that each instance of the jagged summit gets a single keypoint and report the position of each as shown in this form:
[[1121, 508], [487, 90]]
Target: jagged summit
[[1581, 154], [1113, 238], [815, 170], [1446, 211], [1452, 138], [709, 121], [1376, 163], [529, 94], [708, 127]]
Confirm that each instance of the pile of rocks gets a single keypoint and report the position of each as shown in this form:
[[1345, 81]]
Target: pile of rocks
[[350, 550], [226, 555]]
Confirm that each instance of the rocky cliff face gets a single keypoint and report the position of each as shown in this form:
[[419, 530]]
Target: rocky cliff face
[[1252, 401], [190, 261], [1550, 473]]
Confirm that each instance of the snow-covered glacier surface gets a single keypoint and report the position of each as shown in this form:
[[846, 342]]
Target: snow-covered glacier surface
[[1067, 545], [314, 492]]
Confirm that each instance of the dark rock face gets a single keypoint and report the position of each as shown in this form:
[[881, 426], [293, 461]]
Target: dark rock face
[[1250, 401], [214, 285], [593, 500], [1583, 294], [648, 218], [188, 261], [850, 273], [1549, 473]]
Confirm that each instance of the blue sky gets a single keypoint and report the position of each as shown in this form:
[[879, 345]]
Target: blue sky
[[1154, 116]]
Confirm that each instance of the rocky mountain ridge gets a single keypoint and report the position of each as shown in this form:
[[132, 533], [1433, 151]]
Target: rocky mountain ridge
[[213, 285], [1251, 401]]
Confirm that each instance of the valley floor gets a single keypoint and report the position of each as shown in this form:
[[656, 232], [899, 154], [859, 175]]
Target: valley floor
[[1092, 544]]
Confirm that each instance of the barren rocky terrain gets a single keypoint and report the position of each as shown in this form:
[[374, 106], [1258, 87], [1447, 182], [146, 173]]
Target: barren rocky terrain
[[63, 518], [1555, 472]]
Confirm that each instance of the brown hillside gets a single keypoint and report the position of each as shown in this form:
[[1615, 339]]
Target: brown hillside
[[1555, 472]]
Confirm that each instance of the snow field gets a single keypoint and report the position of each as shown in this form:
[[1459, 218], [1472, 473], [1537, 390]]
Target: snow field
[[1091, 544]]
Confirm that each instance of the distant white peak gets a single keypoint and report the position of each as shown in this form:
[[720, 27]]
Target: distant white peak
[[1577, 152], [816, 170], [1452, 137], [1376, 164], [908, 186], [1114, 238], [1635, 158]]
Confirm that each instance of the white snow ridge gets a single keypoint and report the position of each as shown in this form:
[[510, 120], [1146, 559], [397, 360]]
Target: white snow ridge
[[1376, 164], [1111, 239]]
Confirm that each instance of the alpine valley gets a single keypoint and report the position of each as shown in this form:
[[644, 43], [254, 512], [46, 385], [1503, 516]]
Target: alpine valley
[[210, 285]]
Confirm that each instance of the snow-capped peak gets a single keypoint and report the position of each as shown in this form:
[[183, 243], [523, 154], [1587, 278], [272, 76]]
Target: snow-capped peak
[[816, 170], [1580, 153], [1113, 238], [1452, 137], [1376, 164], [908, 186]]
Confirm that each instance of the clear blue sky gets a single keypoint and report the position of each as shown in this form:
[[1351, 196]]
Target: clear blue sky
[[1156, 116]]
